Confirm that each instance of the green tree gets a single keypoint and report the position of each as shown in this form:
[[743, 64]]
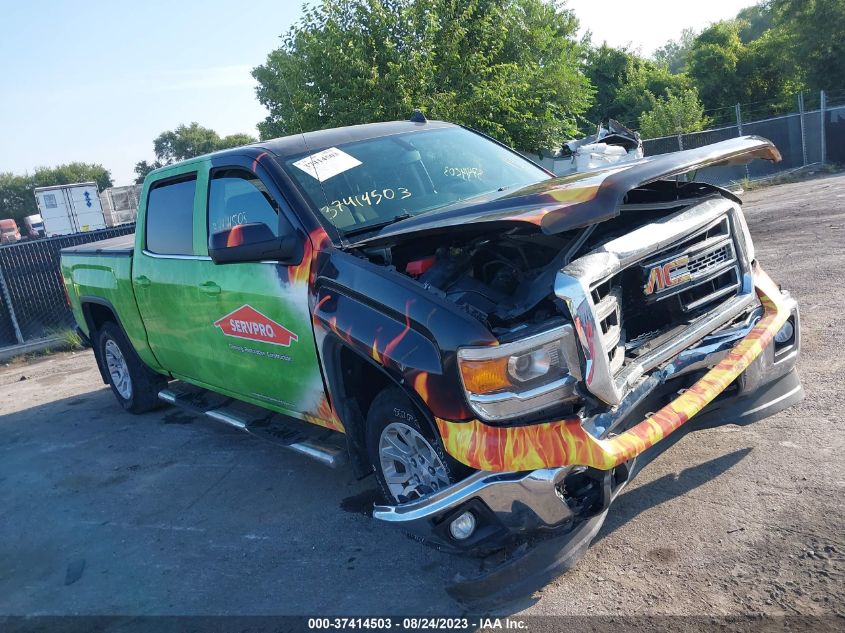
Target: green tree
[[188, 141], [727, 70], [673, 54], [768, 71], [674, 114], [509, 68], [72, 172], [17, 199], [626, 84], [754, 21], [712, 63], [142, 168], [813, 31]]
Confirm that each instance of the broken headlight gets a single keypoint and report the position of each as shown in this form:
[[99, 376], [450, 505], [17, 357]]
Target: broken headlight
[[746, 234], [521, 377]]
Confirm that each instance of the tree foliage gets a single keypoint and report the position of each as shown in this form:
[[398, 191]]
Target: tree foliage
[[627, 85], [509, 68], [187, 141], [17, 199], [727, 70], [673, 55], [769, 52], [674, 114], [814, 33], [142, 168], [713, 61]]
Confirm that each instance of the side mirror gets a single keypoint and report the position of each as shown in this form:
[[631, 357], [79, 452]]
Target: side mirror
[[254, 242]]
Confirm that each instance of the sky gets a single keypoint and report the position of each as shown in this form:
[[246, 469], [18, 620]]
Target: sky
[[97, 81]]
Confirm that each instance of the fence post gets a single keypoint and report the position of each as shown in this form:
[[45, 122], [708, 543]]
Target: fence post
[[8, 299], [822, 117], [739, 133], [680, 142], [803, 129]]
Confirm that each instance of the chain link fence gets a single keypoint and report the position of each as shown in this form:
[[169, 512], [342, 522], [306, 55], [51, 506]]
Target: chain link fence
[[800, 137], [33, 304], [796, 131]]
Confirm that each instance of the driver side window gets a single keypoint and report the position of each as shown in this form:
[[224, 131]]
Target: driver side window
[[237, 196]]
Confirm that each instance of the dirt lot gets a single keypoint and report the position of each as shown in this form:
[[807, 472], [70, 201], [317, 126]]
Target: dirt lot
[[102, 512]]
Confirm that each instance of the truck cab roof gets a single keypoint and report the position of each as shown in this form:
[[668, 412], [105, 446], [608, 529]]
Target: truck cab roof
[[294, 144]]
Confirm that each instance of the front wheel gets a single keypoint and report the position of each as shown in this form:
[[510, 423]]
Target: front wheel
[[134, 384], [408, 460]]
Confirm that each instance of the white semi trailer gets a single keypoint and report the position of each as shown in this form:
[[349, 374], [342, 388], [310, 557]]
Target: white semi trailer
[[68, 209]]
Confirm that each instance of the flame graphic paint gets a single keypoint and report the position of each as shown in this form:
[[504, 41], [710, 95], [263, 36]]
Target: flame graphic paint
[[387, 354], [565, 442], [305, 270], [258, 160], [325, 416]]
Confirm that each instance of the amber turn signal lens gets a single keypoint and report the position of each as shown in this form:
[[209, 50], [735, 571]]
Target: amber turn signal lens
[[484, 376]]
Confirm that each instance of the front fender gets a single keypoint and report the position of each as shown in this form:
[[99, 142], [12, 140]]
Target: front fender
[[412, 333]]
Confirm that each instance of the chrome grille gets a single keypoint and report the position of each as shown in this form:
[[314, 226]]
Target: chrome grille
[[707, 261], [702, 268], [623, 330]]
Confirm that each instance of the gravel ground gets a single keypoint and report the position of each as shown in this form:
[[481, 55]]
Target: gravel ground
[[102, 512]]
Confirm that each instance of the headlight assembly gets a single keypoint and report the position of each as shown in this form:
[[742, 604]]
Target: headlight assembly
[[518, 378]]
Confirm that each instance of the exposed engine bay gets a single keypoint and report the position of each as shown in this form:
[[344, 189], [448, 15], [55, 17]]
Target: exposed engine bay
[[504, 275]]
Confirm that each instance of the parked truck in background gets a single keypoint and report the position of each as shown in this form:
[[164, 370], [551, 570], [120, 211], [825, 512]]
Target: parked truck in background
[[120, 204], [68, 209], [34, 226], [496, 345], [9, 231]]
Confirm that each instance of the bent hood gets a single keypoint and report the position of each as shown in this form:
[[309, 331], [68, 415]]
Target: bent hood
[[569, 202]]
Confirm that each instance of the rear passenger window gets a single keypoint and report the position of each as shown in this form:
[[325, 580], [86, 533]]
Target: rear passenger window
[[237, 196], [170, 213]]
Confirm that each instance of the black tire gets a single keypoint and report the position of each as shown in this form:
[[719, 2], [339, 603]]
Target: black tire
[[144, 382], [392, 406]]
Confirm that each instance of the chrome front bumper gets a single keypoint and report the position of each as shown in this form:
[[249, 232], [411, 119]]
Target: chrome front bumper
[[514, 503]]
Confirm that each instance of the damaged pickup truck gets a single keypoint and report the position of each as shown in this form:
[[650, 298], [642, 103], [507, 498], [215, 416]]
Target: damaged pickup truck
[[497, 345]]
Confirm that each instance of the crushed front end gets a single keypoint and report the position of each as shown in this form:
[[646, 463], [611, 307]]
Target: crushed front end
[[671, 322]]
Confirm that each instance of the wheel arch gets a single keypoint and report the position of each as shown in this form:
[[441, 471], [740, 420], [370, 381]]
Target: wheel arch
[[354, 380], [96, 312]]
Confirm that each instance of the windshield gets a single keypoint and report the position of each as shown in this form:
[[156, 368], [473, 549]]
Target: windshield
[[363, 185]]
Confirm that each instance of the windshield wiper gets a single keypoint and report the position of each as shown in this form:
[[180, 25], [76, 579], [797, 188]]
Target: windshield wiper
[[377, 225]]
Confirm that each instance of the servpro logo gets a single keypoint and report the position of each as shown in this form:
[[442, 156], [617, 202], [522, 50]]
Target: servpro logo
[[247, 322]]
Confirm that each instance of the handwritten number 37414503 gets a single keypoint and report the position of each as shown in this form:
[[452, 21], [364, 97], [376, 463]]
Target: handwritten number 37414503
[[366, 199]]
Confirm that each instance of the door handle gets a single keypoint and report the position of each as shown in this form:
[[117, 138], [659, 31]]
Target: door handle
[[142, 281], [210, 288]]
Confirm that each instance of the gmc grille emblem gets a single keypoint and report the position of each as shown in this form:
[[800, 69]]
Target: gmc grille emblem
[[668, 275]]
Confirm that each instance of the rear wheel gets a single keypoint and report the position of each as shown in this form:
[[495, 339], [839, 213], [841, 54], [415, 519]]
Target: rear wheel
[[134, 384], [408, 460]]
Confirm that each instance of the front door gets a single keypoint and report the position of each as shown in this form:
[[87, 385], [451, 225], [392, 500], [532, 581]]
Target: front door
[[254, 320]]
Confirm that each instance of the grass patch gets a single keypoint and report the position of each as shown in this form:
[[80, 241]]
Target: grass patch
[[786, 177], [60, 340], [71, 340]]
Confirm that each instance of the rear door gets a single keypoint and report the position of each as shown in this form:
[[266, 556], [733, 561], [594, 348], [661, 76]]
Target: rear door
[[167, 271]]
